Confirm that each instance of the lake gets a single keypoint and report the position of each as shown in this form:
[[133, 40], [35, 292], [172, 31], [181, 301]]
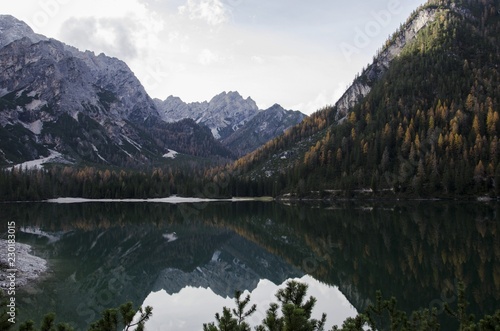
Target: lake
[[186, 260]]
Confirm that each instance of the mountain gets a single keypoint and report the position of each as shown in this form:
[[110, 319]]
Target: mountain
[[421, 120], [56, 100], [375, 71], [236, 122], [264, 126]]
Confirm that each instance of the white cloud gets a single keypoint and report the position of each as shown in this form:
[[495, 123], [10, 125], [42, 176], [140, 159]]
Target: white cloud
[[114, 37], [324, 98], [208, 57], [212, 12], [173, 36], [257, 59]]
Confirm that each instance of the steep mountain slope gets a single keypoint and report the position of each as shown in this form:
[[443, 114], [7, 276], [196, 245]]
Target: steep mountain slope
[[236, 122], [422, 119], [264, 126], [88, 108], [11, 29], [362, 86]]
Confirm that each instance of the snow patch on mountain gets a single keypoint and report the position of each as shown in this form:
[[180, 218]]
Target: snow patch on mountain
[[52, 237], [54, 157], [171, 154], [35, 104], [35, 127], [132, 142]]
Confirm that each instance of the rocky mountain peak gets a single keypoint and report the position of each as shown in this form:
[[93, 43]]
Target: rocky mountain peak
[[223, 114], [12, 29], [92, 107], [277, 107], [235, 121], [233, 99]]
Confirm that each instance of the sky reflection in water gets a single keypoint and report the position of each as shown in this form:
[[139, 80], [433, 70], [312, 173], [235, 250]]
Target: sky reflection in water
[[191, 307]]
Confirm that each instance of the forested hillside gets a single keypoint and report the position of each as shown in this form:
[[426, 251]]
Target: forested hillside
[[428, 127]]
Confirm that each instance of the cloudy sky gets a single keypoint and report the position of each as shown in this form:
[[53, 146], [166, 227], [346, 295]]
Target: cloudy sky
[[300, 54]]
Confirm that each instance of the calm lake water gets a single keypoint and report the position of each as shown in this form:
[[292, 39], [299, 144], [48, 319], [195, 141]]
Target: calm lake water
[[186, 260]]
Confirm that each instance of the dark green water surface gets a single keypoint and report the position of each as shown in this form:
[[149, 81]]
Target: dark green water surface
[[103, 254]]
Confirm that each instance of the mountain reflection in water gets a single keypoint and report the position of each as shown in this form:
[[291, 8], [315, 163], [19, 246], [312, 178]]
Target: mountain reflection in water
[[193, 306], [104, 254]]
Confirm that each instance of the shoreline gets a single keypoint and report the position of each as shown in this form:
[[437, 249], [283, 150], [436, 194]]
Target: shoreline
[[172, 200], [28, 267], [285, 198]]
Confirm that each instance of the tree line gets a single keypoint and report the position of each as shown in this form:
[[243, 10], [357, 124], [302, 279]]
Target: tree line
[[95, 183]]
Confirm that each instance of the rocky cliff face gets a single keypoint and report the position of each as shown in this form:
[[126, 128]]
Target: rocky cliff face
[[173, 109], [362, 85], [263, 127], [88, 108]]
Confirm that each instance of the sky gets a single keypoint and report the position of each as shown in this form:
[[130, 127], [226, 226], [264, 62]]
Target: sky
[[300, 54]]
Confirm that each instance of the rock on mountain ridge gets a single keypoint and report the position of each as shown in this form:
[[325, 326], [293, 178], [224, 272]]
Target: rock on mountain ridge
[[173, 109], [12, 29], [362, 85], [264, 126], [236, 122], [223, 114]]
